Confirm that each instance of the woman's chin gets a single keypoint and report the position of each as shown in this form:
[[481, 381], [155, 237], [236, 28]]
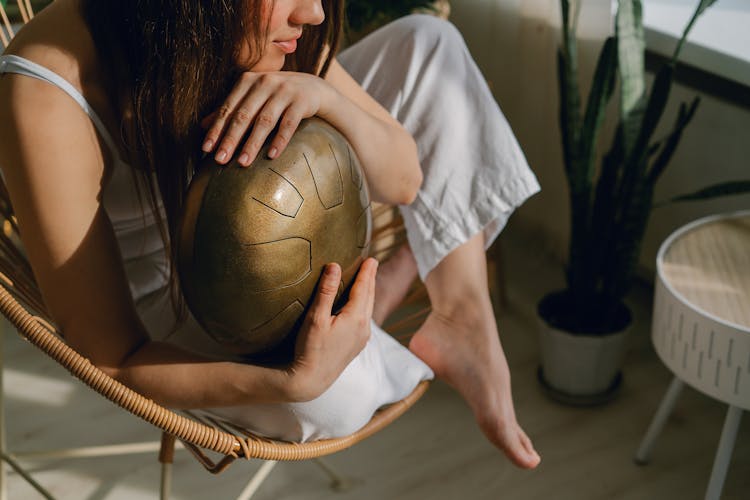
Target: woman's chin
[[267, 64]]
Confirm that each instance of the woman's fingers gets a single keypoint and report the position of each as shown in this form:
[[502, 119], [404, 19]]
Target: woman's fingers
[[258, 104], [243, 117], [235, 116], [362, 294], [287, 126], [328, 287], [265, 121], [222, 115]]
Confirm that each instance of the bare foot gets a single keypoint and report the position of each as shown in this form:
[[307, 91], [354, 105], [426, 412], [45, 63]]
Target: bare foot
[[463, 348], [395, 275]]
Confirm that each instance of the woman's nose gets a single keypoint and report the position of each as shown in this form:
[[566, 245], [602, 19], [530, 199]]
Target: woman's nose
[[308, 12]]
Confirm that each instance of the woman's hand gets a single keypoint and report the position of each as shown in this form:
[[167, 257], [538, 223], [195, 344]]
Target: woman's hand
[[327, 343], [259, 101]]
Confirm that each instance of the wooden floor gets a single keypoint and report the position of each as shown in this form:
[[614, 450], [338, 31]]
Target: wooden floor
[[434, 452]]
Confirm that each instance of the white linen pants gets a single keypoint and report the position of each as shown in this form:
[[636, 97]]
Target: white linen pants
[[475, 173]]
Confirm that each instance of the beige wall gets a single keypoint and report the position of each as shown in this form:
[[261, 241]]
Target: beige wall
[[518, 60]]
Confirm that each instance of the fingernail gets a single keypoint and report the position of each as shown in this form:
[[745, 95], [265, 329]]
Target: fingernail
[[244, 159], [272, 153], [207, 145], [222, 154]]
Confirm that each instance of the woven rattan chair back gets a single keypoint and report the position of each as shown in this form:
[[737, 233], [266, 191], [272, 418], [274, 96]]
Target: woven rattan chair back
[[22, 9]]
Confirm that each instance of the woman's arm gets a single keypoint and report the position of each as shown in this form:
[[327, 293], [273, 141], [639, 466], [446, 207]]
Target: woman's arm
[[387, 151], [261, 101], [53, 168]]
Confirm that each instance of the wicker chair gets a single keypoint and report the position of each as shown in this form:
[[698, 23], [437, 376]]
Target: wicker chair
[[22, 305]]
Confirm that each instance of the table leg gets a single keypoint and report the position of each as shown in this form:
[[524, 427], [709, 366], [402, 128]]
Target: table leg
[[643, 454], [724, 453]]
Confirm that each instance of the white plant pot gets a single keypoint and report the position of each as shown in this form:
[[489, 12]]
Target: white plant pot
[[581, 369]]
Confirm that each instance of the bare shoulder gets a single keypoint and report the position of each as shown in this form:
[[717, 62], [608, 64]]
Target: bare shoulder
[[40, 120], [42, 123], [58, 39], [49, 150], [40, 116], [48, 140]]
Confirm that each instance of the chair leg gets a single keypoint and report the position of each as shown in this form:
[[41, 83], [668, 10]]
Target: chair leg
[[11, 459], [724, 453], [257, 480], [338, 482], [21, 472], [166, 457], [643, 455], [4, 456]]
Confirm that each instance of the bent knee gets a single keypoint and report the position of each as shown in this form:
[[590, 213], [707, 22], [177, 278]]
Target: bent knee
[[428, 30]]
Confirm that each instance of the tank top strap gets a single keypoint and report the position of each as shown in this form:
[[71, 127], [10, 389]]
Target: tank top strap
[[17, 64]]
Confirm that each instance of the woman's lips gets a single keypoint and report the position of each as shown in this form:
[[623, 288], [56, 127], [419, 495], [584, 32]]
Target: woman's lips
[[287, 46]]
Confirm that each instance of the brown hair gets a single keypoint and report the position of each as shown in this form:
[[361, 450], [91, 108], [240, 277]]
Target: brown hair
[[169, 63]]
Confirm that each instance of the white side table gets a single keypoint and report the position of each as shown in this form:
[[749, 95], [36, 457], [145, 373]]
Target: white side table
[[701, 325]]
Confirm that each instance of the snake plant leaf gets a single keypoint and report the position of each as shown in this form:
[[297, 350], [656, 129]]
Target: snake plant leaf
[[658, 99], [565, 12], [653, 149], [601, 91], [730, 188], [631, 226], [570, 100], [702, 6], [630, 47], [683, 118], [581, 203], [657, 102], [568, 104], [636, 168], [606, 186], [576, 166]]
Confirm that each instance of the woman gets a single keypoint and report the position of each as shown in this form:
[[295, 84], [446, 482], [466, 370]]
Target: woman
[[249, 71]]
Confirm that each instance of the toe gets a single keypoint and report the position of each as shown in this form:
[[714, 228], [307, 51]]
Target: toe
[[532, 458], [518, 448]]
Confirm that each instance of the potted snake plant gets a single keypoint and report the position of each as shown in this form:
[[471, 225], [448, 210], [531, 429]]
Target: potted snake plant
[[583, 334]]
